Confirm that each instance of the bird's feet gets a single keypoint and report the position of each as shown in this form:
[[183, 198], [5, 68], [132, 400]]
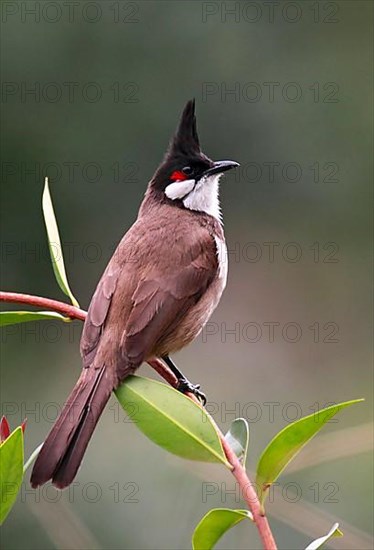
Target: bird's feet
[[185, 386]]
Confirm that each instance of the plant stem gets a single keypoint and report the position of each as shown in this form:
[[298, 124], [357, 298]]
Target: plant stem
[[247, 489], [250, 496], [238, 471], [46, 303]]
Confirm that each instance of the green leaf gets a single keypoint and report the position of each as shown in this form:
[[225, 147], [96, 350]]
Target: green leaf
[[334, 532], [11, 471], [214, 525], [14, 317], [238, 438], [171, 420], [54, 244], [288, 442]]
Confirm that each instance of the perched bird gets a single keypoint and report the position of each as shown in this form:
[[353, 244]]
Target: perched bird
[[155, 296]]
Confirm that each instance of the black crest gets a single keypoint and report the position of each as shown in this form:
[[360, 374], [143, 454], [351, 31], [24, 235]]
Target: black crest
[[186, 140], [184, 150]]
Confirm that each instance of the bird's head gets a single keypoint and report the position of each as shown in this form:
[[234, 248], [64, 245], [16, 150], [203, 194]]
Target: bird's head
[[187, 178]]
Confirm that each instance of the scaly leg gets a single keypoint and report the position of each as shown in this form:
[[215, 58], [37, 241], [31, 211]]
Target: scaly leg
[[184, 385]]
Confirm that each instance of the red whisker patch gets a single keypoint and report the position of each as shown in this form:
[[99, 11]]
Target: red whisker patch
[[178, 175]]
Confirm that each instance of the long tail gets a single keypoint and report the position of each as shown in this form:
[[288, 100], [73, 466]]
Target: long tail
[[63, 450]]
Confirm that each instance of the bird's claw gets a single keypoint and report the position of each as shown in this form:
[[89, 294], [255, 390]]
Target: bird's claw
[[185, 386]]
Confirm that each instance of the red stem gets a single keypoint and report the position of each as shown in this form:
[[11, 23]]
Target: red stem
[[248, 491], [250, 496], [46, 303]]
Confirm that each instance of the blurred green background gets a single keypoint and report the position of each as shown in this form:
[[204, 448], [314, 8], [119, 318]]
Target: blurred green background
[[91, 95]]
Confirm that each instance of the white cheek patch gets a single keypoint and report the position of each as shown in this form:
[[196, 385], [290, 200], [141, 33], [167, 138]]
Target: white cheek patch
[[179, 189]]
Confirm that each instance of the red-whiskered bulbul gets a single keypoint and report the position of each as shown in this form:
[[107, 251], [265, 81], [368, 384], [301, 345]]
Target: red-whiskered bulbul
[[155, 296]]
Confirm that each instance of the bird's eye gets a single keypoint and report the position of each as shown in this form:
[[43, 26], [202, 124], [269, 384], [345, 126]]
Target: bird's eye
[[187, 170]]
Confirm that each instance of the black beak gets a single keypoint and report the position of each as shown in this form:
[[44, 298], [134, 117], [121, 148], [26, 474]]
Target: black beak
[[221, 166]]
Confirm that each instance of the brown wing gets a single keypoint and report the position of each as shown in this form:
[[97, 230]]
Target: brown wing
[[97, 313], [159, 303], [142, 296]]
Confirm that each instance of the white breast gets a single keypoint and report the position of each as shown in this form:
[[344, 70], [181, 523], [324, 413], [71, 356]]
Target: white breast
[[223, 260], [204, 196]]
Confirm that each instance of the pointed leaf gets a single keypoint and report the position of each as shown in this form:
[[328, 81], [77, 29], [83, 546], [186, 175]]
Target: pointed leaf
[[171, 420], [11, 471], [4, 429], [214, 525], [54, 243], [334, 532], [287, 444], [238, 438], [15, 317]]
